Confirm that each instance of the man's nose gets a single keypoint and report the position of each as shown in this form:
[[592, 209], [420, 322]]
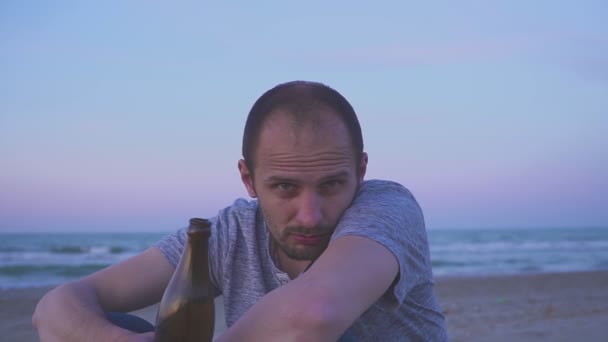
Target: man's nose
[[309, 211]]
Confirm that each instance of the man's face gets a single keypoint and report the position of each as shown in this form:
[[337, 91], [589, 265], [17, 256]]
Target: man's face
[[305, 176]]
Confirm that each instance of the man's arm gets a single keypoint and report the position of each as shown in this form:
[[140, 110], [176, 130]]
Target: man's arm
[[351, 274], [75, 311]]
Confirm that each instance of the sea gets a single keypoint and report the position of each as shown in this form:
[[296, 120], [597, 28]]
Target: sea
[[46, 259]]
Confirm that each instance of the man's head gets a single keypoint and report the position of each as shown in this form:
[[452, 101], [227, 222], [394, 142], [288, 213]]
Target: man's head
[[304, 161]]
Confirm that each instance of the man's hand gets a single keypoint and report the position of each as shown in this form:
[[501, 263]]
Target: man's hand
[[76, 311]]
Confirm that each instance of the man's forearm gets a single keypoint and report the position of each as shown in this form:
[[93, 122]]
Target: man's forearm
[[289, 313], [71, 312]]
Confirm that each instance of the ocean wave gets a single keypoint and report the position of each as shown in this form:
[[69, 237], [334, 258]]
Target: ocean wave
[[512, 246], [55, 270], [448, 263], [11, 249], [102, 256], [69, 249], [72, 249], [48, 259]]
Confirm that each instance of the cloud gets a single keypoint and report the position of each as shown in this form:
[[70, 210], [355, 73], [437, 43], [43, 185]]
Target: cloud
[[585, 54], [416, 54]]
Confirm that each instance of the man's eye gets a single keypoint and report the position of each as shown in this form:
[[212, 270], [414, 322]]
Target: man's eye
[[284, 186], [332, 183]]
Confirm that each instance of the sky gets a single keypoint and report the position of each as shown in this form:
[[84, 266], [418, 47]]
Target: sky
[[128, 115]]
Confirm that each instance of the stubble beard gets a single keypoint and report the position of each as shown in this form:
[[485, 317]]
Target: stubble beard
[[301, 252]]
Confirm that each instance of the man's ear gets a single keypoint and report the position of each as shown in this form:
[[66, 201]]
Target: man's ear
[[247, 178], [362, 167]]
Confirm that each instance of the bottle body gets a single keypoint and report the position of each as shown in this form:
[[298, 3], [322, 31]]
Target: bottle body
[[187, 312]]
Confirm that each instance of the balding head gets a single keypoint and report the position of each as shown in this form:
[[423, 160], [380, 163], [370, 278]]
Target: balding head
[[306, 104]]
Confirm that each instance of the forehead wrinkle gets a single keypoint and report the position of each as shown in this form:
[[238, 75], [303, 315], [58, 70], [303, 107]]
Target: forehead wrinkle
[[341, 153], [303, 164], [322, 160]]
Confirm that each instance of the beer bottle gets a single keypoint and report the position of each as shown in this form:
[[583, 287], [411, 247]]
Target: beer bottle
[[186, 311]]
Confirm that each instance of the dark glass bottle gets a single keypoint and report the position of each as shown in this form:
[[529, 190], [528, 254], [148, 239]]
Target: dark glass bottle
[[187, 312]]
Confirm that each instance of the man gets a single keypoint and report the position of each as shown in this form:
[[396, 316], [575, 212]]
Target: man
[[320, 252]]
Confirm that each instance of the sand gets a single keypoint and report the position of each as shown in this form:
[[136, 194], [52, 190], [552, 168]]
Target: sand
[[539, 307]]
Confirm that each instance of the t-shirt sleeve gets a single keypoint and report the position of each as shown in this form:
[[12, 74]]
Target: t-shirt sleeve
[[387, 213], [172, 247]]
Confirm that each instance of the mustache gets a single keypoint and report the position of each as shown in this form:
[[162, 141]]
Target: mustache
[[300, 230]]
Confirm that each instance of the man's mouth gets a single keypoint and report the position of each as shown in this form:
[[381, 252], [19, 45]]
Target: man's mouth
[[308, 239]]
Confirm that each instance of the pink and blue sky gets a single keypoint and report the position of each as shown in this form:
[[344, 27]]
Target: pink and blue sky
[[128, 115]]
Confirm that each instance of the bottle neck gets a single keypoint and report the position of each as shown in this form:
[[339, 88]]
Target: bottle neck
[[197, 247]]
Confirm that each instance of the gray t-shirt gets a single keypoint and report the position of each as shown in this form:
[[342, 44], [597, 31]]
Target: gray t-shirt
[[243, 271]]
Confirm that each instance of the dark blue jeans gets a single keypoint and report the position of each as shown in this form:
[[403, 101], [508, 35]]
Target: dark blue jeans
[[140, 325], [129, 322]]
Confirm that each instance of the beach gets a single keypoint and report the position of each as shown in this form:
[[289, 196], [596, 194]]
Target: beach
[[525, 307], [538, 307]]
